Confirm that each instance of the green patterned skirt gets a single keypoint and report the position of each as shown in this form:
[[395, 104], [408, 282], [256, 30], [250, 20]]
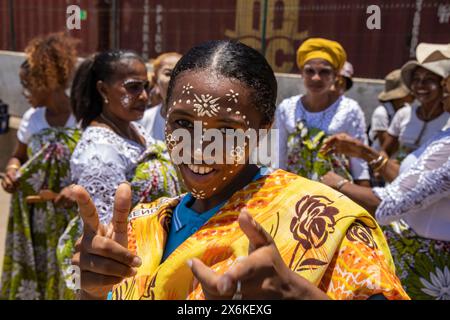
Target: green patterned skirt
[[422, 265]]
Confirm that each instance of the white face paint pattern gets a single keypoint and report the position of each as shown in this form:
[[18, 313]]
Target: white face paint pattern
[[125, 100], [198, 194], [233, 96], [206, 105], [187, 89], [237, 154]]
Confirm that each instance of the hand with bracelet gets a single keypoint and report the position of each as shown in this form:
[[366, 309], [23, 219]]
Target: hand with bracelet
[[342, 143], [9, 178]]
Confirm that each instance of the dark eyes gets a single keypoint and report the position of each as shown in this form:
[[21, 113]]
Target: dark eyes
[[184, 124], [323, 73]]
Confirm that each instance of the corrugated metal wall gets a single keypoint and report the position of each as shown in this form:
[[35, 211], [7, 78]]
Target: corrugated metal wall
[[154, 26]]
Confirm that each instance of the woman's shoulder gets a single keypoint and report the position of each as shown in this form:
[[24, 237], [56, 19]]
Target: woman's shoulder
[[348, 105], [35, 117], [97, 141]]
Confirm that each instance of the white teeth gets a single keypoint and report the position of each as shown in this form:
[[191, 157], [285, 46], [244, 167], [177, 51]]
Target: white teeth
[[199, 169]]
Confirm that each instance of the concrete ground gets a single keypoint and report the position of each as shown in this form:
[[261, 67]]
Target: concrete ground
[[4, 212]]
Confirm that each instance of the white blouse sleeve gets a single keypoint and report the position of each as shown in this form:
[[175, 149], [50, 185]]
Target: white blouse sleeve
[[100, 169], [358, 167], [396, 123], [25, 131], [425, 183]]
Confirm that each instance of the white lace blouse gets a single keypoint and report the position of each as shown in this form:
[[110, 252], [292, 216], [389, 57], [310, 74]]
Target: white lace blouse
[[345, 115], [421, 193], [101, 161]]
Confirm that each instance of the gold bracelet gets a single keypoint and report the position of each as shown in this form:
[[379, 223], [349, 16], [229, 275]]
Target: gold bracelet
[[13, 166], [341, 184], [382, 164]]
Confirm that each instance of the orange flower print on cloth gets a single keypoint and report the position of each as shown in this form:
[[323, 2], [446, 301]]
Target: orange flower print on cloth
[[321, 234]]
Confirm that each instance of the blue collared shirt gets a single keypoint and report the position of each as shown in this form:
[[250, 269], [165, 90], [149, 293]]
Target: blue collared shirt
[[185, 221]]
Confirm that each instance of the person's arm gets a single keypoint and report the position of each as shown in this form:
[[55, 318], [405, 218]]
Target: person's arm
[[382, 136], [19, 157], [390, 144], [342, 143], [363, 196], [425, 183]]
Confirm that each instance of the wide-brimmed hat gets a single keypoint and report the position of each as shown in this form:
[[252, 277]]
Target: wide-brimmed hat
[[430, 56], [394, 88]]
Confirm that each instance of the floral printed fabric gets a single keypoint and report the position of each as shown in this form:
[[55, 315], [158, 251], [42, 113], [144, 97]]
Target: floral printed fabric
[[423, 265], [305, 159], [30, 269], [322, 236]]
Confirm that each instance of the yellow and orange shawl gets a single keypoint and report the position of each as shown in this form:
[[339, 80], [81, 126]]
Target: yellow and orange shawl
[[321, 234]]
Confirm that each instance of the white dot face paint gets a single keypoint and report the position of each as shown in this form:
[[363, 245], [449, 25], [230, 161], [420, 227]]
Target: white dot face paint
[[187, 89], [198, 194], [171, 142], [237, 154], [232, 96], [206, 105], [125, 101]]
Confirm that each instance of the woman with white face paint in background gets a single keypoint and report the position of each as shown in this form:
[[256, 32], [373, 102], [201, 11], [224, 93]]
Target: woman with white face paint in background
[[109, 93], [154, 117]]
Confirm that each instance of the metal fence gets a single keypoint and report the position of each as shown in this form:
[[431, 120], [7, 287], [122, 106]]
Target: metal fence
[[276, 27]]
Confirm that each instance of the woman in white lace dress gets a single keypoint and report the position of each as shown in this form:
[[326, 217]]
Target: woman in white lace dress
[[304, 121], [109, 93], [414, 208]]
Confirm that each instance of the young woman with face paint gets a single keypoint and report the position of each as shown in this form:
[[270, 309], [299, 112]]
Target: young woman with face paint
[[414, 207], [305, 120], [109, 93], [243, 231], [38, 172], [154, 118]]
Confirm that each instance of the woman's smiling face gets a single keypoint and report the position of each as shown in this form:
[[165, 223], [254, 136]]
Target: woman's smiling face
[[219, 103]]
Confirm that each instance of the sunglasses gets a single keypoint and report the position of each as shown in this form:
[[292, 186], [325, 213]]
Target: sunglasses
[[135, 87]]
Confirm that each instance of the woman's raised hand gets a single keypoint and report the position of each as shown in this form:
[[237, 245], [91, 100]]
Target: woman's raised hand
[[342, 143], [101, 253], [261, 275]]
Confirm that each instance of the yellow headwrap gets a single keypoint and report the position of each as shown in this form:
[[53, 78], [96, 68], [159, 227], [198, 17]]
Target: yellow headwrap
[[319, 48]]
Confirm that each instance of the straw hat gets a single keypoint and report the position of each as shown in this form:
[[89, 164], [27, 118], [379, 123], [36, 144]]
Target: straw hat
[[394, 88], [433, 57]]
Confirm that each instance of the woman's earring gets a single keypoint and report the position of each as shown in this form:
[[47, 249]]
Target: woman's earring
[[106, 101]]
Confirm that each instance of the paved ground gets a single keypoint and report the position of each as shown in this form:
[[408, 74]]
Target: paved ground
[[4, 212]]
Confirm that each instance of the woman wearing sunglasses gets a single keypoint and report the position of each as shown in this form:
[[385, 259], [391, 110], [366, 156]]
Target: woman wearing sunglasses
[[305, 120], [109, 93]]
